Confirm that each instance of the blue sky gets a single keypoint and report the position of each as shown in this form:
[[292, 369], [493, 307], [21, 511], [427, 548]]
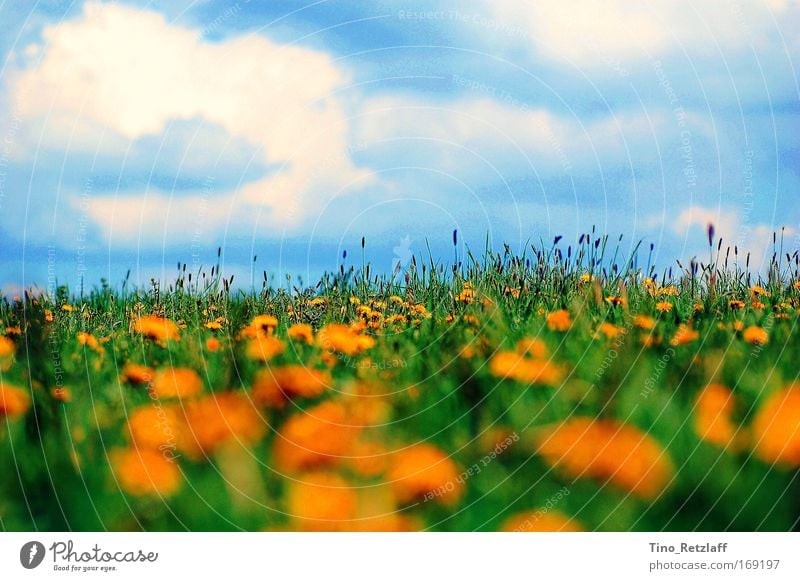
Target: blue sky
[[137, 134]]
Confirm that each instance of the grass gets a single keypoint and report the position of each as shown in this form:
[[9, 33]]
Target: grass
[[564, 388]]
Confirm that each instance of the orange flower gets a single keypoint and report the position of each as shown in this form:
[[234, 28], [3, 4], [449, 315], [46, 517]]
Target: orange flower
[[157, 328], [156, 427], [757, 291], [559, 321], [644, 322], [683, 335], [301, 332], [136, 374], [7, 350], [14, 402], [755, 335], [532, 346], [508, 364], [260, 325], [663, 306], [220, 418], [61, 394], [274, 386], [424, 471], [143, 472], [610, 331], [344, 339], [315, 437], [90, 341], [776, 428], [213, 325], [608, 451], [736, 304], [264, 348], [712, 417], [320, 501], [213, 344], [540, 521], [180, 382], [368, 459]]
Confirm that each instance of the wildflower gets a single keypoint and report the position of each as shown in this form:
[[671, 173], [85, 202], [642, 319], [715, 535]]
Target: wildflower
[[157, 328], [644, 322], [424, 469], [343, 339], [260, 325], [213, 344], [736, 304], [213, 325], [321, 501], [273, 387], [608, 451], [586, 277], [712, 417], [318, 302], [368, 459], [668, 291], [7, 350], [755, 335], [759, 291], [156, 427], [683, 335], [14, 402], [144, 472], [540, 521], [615, 301], [354, 301], [698, 308], [264, 347], [67, 307], [508, 364], [16, 330], [89, 340], [62, 394], [48, 316], [178, 382], [301, 332], [397, 319], [609, 330], [776, 428], [136, 374], [559, 321], [738, 325], [316, 437], [220, 418], [532, 346], [663, 306]]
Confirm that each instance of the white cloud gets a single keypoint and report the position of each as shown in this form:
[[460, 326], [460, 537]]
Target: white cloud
[[593, 33], [117, 74]]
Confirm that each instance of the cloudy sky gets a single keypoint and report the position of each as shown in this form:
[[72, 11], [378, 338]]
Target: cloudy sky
[[137, 134]]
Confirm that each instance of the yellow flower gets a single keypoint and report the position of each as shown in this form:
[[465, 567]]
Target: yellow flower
[[776, 428], [608, 451], [559, 321], [757, 291], [755, 335], [213, 325], [67, 307], [663, 306]]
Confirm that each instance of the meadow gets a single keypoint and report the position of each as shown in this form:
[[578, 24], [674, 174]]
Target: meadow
[[566, 388]]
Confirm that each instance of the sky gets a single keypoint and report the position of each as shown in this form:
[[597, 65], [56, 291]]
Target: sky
[[134, 135]]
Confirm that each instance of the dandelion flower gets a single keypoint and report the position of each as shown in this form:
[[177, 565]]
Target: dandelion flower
[[144, 472], [776, 428], [608, 451], [559, 321], [712, 417], [179, 382], [14, 402], [157, 328], [315, 437], [321, 501], [540, 521], [274, 386], [663, 306], [755, 335], [423, 469], [301, 332]]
